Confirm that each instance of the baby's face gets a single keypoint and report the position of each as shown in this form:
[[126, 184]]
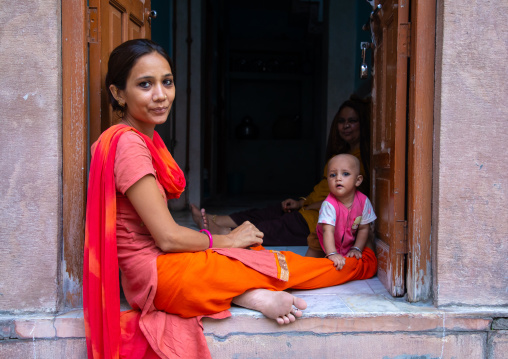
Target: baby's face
[[343, 175]]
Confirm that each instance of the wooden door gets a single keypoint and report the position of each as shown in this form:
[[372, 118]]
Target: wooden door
[[391, 35], [115, 21]]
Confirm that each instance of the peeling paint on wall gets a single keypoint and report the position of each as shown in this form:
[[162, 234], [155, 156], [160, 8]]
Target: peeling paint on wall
[[29, 94]]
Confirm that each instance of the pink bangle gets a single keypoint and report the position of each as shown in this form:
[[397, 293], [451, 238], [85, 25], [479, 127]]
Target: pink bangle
[[209, 236]]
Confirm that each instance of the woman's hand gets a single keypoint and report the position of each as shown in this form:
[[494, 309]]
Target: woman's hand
[[289, 205], [338, 260], [245, 235]]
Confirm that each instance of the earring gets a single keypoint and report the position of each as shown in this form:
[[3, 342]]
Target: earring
[[121, 103]]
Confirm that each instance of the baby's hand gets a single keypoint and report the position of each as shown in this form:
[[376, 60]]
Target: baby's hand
[[354, 253], [338, 261]]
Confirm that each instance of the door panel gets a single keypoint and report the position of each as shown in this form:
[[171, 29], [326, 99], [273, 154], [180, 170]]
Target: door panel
[[388, 161], [119, 21]]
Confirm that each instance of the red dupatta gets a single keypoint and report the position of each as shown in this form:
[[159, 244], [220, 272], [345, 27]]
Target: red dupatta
[[101, 288]]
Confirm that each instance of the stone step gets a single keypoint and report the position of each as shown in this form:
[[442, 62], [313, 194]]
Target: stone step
[[355, 320]]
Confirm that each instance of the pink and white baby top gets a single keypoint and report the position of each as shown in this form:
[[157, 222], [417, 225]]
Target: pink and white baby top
[[346, 221]]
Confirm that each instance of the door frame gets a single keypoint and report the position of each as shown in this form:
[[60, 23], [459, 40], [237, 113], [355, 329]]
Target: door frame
[[75, 138], [74, 148], [77, 52], [420, 144]]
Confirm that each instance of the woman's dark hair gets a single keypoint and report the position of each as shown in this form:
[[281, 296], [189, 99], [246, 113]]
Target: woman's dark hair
[[336, 145], [122, 60]]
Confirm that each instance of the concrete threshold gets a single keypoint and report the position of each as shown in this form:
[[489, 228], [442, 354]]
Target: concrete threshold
[[359, 306], [355, 320]]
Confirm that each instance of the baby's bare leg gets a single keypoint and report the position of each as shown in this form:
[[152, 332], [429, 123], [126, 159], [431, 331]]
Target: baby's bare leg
[[278, 305], [314, 253], [371, 242]]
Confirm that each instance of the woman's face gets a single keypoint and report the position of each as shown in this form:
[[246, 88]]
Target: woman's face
[[349, 126], [149, 92]]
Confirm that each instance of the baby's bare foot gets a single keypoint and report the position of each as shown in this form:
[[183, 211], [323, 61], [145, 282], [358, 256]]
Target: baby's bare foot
[[279, 305]]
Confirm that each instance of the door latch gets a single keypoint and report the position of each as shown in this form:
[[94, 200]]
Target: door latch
[[364, 69], [152, 14]]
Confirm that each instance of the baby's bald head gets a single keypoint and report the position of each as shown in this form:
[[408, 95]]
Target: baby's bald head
[[345, 159]]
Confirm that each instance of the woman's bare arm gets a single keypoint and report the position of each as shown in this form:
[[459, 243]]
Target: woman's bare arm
[[171, 237], [315, 205]]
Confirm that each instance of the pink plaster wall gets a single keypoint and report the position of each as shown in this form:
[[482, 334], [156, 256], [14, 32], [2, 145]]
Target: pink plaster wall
[[470, 221], [30, 152], [358, 346], [470, 166]]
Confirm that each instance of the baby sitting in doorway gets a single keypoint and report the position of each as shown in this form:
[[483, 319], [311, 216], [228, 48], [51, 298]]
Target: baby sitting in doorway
[[345, 215]]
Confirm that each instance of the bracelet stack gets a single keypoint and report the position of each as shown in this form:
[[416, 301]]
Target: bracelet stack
[[209, 236], [331, 254], [358, 249]]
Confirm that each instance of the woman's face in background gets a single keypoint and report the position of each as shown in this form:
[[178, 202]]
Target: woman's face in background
[[349, 126]]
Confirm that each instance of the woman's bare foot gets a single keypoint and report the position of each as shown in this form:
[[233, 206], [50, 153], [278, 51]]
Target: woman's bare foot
[[213, 227], [197, 217], [205, 221], [285, 308]]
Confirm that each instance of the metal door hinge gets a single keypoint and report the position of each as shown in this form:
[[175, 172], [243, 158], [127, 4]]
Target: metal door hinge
[[405, 237], [93, 25], [406, 240], [405, 39]]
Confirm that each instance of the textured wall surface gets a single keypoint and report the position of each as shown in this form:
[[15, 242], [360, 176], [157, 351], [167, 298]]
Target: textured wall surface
[[470, 168], [358, 346], [30, 149], [470, 225], [44, 349]]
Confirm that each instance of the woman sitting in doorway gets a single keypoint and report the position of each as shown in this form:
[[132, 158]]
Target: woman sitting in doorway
[[172, 276]]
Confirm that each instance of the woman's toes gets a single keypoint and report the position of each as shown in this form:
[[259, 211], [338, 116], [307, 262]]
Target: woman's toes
[[204, 219], [299, 303], [291, 317], [285, 319], [197, 216], [296, 312]]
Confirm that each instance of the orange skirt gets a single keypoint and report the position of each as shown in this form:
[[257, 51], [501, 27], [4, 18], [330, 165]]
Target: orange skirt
[[201, 283]]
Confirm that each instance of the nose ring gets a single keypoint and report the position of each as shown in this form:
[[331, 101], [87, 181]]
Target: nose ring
[[165, 97]]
